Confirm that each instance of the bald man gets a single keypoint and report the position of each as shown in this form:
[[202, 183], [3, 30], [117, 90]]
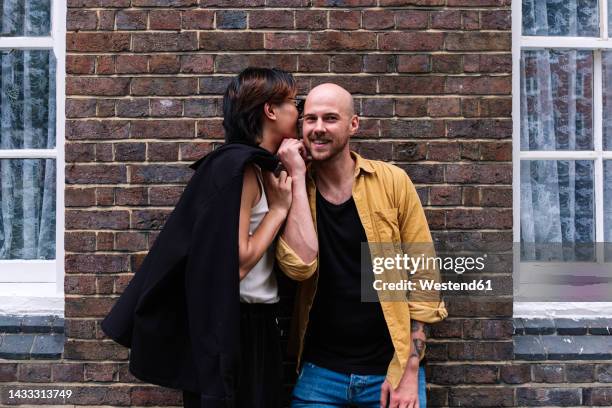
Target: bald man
[[349, 352]]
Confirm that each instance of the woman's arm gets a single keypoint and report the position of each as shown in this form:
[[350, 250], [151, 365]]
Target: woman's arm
[[278, 191]]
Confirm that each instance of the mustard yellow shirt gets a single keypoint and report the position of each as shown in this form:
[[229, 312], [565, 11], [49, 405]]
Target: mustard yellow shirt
[[390, 211]]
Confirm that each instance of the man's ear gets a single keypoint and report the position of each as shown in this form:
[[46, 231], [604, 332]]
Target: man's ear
[[354, 125], [269, 111]]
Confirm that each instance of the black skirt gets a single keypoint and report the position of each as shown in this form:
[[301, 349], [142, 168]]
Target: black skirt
[[260, 379]]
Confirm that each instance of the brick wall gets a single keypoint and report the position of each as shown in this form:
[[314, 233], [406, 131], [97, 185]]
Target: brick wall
[[432, 82]]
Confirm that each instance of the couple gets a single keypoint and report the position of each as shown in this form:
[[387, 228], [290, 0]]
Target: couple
[[349, 352]]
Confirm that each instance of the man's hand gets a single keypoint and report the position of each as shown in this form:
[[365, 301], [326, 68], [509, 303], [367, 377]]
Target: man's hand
[[292, 154], [406, 395]]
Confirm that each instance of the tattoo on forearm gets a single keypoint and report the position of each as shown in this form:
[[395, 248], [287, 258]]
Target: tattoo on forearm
[[415, 325], [418, 332]]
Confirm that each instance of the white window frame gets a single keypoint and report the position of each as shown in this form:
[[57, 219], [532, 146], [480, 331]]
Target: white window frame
[[36, 287], [597, 45]]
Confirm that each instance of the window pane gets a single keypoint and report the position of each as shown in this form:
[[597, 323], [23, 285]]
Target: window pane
[[556, 100], [608, 201], [27, 105], [27, 212], [557, 206], [574, 18], [607, 100], [25, 18]]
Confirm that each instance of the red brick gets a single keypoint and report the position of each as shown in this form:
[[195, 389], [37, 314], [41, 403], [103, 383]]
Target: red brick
[[311, 19], [67, 372], [337, 41], [443, 151], [198, 19], [478, 41], [132, 108], [80, 152], [441, 107], [344, 20], [495, 20], [197, 64], [482, 85], [36, 373], [162, 129], [411, 107], [346, 63], [447, 63], [80, 197], [80, 241], [105, 64], [411, 19], [164, 64], [413, 63], [88, 350], [89, 219], [411, 41], [97, 42], [106, 20], [131, 196], [159, 173], [221, 41], [271, 19], [80, 285], [446, 19], [131, 20], [80, 64], [313, 63], [378, 19], [147, 396], [165, 20], [131, 64], [479, 173], [93, 263], [164, 3], [162, 152], [153, 42], [166, 107], [90, 86], [379, 63], [81, 20], [488, 63], [412, 85], [164, 86]]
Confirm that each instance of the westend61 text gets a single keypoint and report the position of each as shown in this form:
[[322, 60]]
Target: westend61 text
[[482, 285]]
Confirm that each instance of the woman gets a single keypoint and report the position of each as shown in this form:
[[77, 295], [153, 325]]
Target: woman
[[181, 313], [259, 108]]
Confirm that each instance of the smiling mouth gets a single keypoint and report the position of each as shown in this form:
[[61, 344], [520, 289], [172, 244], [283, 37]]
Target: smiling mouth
[[320, 142]]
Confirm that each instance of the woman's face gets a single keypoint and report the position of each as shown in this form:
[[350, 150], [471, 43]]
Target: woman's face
[[286, 119]]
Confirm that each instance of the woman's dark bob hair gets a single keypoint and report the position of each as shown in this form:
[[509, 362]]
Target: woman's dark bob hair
[[244, 100]]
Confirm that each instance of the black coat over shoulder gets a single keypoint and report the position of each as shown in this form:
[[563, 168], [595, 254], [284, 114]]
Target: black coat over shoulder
[[179, 314]]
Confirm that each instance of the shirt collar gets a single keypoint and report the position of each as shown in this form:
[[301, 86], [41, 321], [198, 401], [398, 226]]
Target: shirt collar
[[361, 164]]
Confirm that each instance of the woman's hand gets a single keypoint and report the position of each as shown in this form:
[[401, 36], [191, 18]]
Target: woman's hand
[[278, 191]]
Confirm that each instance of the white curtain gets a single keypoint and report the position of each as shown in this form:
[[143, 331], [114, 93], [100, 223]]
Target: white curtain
[[27, 121], [556, 114]]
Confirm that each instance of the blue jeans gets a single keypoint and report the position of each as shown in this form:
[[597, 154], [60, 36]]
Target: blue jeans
[[318, 387]]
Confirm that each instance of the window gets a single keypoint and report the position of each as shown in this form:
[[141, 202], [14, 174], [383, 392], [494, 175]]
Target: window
[[562, 158], [32, 53]]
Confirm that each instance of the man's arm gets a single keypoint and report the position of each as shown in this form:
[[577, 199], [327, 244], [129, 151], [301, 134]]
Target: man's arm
[[407, 392], [298, 246]]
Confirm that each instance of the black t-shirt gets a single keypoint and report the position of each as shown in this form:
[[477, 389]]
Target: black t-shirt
[[344, 334]]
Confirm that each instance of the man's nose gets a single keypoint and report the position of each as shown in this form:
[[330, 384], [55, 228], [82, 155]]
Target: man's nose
[[319, 128]]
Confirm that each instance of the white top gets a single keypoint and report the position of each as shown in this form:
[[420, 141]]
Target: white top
[[259, 286]]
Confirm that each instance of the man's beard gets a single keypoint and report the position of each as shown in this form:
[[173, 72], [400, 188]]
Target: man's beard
[[327, 155]]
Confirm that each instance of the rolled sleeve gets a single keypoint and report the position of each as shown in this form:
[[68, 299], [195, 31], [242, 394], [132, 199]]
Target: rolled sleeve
[[428, 312], [291, 264]]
